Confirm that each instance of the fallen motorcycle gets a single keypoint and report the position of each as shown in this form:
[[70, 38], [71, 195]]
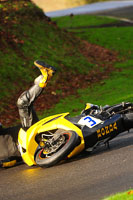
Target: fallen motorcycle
[[58, 137]]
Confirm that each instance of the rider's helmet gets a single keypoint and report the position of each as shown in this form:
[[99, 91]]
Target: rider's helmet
[[89, 107]]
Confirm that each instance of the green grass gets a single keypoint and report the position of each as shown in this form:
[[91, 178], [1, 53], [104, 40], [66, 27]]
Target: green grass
[[121, 196], [118, 39], [119, 87], [25, 40], [115, 38], [82, 20]]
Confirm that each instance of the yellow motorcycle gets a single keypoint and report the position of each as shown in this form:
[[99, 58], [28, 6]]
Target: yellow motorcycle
[[58, 137]]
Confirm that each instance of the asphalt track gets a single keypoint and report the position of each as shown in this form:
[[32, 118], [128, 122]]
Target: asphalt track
[[123, 13], [87, 177], [92, 8]]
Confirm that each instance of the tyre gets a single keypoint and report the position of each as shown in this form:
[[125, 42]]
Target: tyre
[[56, 149], [128, 120]]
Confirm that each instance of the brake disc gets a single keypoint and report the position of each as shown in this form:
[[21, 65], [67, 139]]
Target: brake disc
[[53, 144]]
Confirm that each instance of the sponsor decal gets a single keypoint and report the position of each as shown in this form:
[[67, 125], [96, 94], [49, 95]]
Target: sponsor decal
[[106, 130]]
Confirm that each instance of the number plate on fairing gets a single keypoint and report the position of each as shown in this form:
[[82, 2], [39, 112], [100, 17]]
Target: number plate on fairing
[[89, 121]]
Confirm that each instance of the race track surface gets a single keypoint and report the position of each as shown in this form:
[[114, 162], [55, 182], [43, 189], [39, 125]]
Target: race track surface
[[124, 13], [92, 8], [88, 177]]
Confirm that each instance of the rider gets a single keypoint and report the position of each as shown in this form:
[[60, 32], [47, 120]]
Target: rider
[[26, 100], [9, 153]]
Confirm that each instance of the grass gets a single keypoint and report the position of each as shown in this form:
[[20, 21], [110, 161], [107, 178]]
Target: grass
[[82, 20], [110, 91], [119, 87], [23, 41], [118, 39], [128, 195], [114, 38]]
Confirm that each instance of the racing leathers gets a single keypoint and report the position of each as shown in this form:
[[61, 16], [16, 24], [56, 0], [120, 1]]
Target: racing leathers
[[9, 153]]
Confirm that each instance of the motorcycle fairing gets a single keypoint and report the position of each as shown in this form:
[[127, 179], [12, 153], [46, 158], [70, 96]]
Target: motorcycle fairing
[[108, 129], [28, 144]]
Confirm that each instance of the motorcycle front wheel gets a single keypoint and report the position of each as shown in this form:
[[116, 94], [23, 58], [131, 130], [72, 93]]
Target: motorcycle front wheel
[[51, 155]]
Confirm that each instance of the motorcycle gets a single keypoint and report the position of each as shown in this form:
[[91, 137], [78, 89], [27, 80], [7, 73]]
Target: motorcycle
[[58, 137]]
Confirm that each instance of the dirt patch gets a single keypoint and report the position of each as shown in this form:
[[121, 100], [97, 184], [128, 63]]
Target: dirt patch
[[67, 83]]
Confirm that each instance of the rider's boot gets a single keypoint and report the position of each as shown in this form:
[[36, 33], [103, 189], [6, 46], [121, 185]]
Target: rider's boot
[[46, 70]]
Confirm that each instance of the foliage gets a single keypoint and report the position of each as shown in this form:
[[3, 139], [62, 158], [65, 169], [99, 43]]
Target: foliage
[[120, 85], [80, 63], [24, 40], [128, 195]]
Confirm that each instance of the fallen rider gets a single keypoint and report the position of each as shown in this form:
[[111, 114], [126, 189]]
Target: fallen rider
[[9, 153]]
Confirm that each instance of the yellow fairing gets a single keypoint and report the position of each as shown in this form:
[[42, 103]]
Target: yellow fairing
[[28, 145]]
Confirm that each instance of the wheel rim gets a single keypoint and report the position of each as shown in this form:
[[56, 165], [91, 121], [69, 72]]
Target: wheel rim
[[48, 151]]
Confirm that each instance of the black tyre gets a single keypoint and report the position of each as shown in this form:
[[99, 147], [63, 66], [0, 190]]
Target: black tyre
[[43, 159], [128, 120]]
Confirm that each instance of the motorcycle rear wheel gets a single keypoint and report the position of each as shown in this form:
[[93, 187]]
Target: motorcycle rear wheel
[[71, 140]]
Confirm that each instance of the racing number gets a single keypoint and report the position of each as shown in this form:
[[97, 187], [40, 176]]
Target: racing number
[[90, 121]]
